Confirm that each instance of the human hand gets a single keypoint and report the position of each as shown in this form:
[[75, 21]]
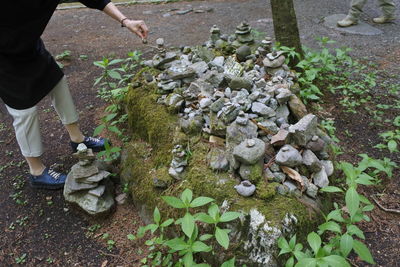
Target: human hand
[[138, 27]]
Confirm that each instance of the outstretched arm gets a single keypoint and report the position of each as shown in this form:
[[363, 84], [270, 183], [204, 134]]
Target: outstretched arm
[[136, 26]]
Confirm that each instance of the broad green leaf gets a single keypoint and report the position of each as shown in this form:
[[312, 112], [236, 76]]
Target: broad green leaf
[[205, 237], [167, 223], [176, 244], [364, 179], [109, 117], [362, 251], [174, 202], [115, 129], [283, 245], [346, 245], [292, 242], [131, 237], [392, 146], [187, 196], [349, 171], [354, 230], [156, 216], [200, 201], [199, 265], [229, 216], [352, 201], [368, 208], [364, 200], [188, 224], [229, 263], [290, 262], [188, 259], [152, 227], [300, 255], [213, 211], [204, 218], [99, 129], [335, 215], [331, 189], [115, 75], [222, 237], [115, 61], [336, 261], [315, 241], [307, 262], [330, 226], [199, 246]]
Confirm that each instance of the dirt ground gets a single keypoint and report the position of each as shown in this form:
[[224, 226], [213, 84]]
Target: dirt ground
[[40, 225]]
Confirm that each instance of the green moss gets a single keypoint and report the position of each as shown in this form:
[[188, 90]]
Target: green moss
[[148, 120], [266, 190]]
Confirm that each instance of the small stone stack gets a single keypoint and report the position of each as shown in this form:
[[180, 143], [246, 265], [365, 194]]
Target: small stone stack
[[87, 186]]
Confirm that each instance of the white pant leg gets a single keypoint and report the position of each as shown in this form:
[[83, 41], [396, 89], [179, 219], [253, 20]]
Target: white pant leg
[[27, 131], [63, 103]]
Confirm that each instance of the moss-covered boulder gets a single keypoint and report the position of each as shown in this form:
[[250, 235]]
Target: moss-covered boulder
[[145, 162]]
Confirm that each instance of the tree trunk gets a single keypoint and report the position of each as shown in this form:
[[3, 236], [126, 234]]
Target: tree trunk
[[285, 24]]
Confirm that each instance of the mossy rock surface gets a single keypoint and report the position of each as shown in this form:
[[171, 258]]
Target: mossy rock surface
[[267, 215]]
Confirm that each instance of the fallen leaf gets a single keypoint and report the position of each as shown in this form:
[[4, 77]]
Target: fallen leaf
[[104, 264], [294, 175]]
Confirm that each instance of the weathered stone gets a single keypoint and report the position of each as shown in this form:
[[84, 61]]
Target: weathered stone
[[199, 68], [72, 186], [291, 186], [253, 173], [229, 113], [214, 78], [301, 132], [205, 102], [262, 110], [283, 112], [219, 61], [270, 126], [218, 104], [98, 191], [288, 156], [191, 125], [121, 198], [159, 183], [94, 178], [320, 178], [245, 188], [217, 160], [311, 161], [283, 95], [79, 171], [217, 126], [328, 165], [249, 155], [312, 190], [316, 144], [279, 177], [282, 190], [233, 68], [180, 73], [297, 107], [280, 138], [243, 52], [238, 83], [271, 63]]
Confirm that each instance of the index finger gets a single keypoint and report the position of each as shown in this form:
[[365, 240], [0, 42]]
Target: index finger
[[144, 29]]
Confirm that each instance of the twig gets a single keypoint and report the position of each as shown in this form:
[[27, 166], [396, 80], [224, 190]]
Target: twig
[[113, 255], [385, 209]]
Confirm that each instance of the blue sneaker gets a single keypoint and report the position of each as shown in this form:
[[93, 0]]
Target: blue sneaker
[[49, 179], [96, 144]]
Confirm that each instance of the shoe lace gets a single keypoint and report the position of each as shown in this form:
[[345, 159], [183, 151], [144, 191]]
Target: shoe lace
[[54, 174], [93, 139]]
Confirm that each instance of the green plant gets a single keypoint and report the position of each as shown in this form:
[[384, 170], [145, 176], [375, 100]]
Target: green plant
[[344, 235], [50, 260], [182, 250], [65, 55], [110, 244], [329, 126], [391, 139], [114, 83], [21, 259]]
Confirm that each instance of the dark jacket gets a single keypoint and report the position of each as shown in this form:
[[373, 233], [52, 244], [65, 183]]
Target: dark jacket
[[27, 70]]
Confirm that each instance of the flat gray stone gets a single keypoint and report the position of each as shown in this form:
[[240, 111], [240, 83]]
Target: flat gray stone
[[361, 28], [250, 151], [288, 156]]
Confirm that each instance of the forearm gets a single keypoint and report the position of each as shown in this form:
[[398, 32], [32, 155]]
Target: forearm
[[112, 11], [136, 26]]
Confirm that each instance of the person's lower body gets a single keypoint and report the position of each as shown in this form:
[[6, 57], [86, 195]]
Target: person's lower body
[[387, 6], [27, 131]]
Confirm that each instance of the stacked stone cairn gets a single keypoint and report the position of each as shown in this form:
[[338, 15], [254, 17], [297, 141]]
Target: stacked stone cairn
[[87, 186], [247, 102]]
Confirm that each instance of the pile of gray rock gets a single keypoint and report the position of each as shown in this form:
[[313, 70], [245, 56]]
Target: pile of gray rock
[[87, 186], [247, 99]]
